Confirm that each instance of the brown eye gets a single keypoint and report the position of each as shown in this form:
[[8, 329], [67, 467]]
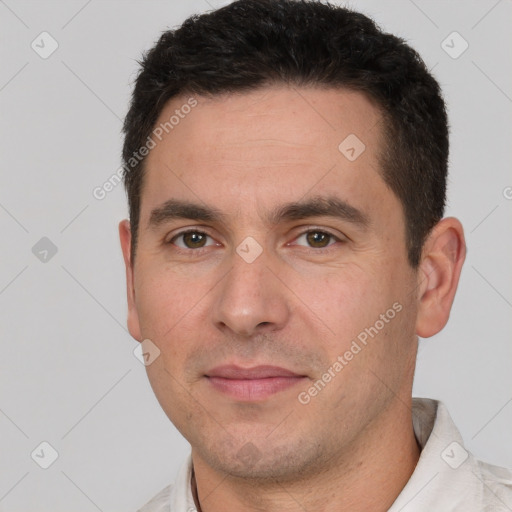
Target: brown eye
[[318, 239], [194, 240], [190, 240]]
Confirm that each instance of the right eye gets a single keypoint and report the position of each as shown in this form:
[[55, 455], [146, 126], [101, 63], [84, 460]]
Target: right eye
[[190, 239]]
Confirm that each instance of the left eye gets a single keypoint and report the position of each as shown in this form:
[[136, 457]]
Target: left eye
[[318, 239], [190, 240]]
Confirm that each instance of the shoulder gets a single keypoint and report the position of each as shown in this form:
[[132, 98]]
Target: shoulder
[[160, 502], [496, 486]]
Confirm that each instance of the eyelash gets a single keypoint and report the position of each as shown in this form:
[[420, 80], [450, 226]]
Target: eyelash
[[199, 250]]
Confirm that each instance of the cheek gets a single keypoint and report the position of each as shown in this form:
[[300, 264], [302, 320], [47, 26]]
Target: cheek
[[164, 301], [344, 301], [348, 305]]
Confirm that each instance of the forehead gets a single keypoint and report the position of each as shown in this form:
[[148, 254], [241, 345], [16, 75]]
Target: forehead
[[269, 146]]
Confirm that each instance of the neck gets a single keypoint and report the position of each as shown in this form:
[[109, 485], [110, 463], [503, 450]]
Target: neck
[[360, 478]]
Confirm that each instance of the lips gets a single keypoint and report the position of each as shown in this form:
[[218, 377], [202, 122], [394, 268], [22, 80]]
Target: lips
[[252, 384], [256, 372]]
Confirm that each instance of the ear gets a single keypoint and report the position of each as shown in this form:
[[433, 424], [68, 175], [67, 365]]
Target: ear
[[125, 237], [441, 263]]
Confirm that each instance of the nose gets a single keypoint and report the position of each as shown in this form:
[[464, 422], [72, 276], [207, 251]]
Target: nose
[[251, 299]]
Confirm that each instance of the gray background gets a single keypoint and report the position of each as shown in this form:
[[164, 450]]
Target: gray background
[[68, 375]]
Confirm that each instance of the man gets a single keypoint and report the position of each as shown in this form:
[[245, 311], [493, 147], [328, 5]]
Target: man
[[286, 167]]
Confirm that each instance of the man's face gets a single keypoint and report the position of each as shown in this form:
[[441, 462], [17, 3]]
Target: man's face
[[262, 284]]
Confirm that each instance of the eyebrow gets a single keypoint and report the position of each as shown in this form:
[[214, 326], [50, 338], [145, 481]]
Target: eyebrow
[[177, 209], [318, 206]]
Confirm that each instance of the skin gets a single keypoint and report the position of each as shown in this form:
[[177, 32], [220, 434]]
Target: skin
[[298, 305]]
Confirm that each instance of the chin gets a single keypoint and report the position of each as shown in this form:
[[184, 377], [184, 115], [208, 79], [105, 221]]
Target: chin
[[263, 462]]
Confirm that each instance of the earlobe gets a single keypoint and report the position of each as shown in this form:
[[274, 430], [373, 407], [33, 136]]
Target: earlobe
[[133, 317], [440, 267]]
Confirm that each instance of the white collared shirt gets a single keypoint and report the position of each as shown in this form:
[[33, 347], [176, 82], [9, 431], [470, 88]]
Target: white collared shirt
[[447, 477]]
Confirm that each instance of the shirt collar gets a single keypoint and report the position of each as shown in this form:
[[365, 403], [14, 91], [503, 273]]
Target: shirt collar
[[446, 476]]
